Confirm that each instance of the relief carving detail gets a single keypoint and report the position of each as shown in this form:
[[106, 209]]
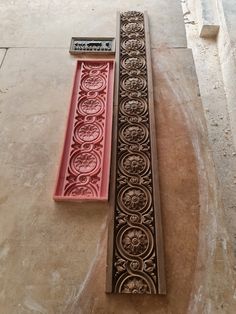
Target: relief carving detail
[[84, 170], [135, 256]]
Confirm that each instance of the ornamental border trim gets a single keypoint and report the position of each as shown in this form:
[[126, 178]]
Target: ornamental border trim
[[85, 162], [135, 246]]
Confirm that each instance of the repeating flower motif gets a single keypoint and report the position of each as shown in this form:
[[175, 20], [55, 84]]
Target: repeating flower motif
[[133, 107], [135, 265], [86, 155], [134, 199], [134, 270], [134, 218], [135, 241], [91, 106], [134, 286], [82, 191], [133, 63], [133, 27], [133, 83], [132, 16], [134, 164], [134, 133], [132, 44], [88, 132], [85, 162], [134, 180], [93, 82]]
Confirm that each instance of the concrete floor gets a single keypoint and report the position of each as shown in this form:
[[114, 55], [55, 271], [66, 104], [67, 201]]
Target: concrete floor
[[214, 100], [52, 256], [221, 143]]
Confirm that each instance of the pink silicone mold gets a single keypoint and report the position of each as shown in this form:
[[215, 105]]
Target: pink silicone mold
[[85, 163]]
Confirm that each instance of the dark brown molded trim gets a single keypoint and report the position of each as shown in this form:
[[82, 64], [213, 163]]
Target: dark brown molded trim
[[135, 261]]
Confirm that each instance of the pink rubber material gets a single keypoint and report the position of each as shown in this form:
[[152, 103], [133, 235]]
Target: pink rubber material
[[85, 163]]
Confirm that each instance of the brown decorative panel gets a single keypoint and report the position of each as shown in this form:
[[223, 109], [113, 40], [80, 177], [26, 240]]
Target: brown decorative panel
[[135, 251]]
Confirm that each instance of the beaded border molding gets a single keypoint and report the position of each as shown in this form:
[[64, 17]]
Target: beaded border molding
[[135, 262], [94, 45], [85, 163]]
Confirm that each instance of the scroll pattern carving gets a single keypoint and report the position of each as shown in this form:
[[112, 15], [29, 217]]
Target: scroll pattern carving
[[134, 259], [84, 169], [87, 148]]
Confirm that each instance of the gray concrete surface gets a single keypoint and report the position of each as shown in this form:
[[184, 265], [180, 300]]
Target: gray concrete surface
[[207, 57], [229, 11], [208, 24], [226, 43], [49, 23]]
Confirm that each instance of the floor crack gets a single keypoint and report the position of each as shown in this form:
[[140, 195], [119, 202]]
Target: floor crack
[[3, 58]]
